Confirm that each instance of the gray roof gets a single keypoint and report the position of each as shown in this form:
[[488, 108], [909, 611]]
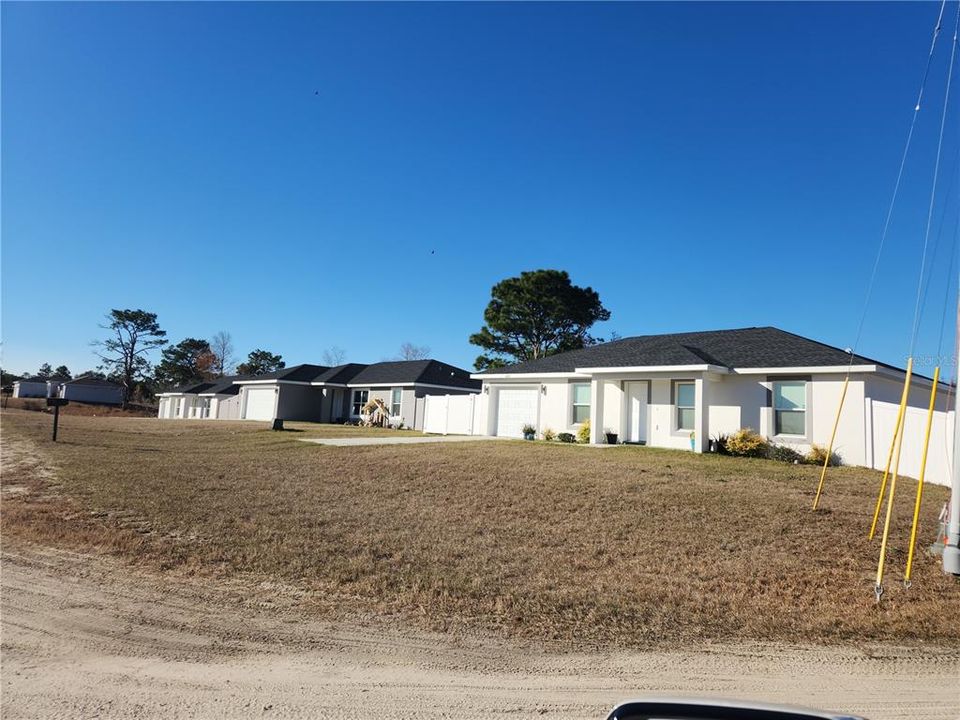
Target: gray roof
[[296, 373], [90, 380], [432, 372], [755, 347]]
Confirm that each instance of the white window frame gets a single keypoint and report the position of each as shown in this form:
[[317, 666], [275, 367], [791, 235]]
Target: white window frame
[[358, 404], [678, 407], [574, 404], [177, 406], [396, 401], [777, 411]]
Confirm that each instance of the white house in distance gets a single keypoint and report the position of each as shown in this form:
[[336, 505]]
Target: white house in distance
[[93, 390], [86, 389], [679, 390], [321, 394]]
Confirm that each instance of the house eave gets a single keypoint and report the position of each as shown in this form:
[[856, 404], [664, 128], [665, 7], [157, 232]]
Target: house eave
[[805, 370]]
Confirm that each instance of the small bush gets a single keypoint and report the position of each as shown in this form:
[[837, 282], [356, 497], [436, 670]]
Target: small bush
[[746, 443], [818, 454], [528, 429], [583, 434], [566, 438], [721, 441], [549, 435], [785, 453]]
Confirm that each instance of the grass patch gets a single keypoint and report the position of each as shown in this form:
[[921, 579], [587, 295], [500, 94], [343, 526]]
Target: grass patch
[[634, 546]]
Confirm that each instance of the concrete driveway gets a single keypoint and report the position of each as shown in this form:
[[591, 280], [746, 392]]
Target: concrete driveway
[[355, 441]]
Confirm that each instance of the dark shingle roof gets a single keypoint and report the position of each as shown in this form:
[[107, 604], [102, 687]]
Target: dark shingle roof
[[414, 371], [339, 374], [226, 385], [90, 380], [297, 373], [743, 348]]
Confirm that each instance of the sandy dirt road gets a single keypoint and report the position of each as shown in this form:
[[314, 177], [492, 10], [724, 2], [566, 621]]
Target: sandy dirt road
[[85, 637]]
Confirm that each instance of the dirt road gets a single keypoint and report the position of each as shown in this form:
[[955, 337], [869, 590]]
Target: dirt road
[[84, 637]]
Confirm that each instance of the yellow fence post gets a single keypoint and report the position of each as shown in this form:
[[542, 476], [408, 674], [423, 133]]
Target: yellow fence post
[[878, 588], [923, 472], [893, 444], [833, 436]]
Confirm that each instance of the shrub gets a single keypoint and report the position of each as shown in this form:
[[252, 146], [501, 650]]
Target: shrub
[[528, 429], [746, 443], [549, 435], [818, 454], [785, 453], [583, 434], [566, 438], [721, 441]]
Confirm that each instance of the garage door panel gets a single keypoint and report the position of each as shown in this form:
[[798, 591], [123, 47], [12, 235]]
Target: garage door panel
[[516, 407], [260, 403]]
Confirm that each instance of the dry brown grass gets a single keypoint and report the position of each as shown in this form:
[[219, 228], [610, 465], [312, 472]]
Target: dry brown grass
[[79, 408], [633, 546]]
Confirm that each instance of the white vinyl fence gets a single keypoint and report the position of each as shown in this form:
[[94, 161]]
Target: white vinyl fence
[[881, 418], [450, 414]]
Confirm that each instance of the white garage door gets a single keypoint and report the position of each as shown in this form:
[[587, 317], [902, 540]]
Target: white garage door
[[516, 408], [260, 403]]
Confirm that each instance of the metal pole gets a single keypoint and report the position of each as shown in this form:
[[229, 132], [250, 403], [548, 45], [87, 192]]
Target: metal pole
[[56, 419], [951, 551]]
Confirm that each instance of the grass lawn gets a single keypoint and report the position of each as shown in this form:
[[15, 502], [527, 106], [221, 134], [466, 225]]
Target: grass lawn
[[633, 546]]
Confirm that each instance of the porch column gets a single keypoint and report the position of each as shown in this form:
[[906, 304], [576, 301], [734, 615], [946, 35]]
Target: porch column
[[702, 413], [596, 411]]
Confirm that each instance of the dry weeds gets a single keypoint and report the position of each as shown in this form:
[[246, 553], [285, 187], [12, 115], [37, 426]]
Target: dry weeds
[[634, 546]]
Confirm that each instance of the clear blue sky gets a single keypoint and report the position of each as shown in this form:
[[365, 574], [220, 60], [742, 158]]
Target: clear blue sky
[[381, 166]]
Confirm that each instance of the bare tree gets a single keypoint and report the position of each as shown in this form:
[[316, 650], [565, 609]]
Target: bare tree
[[409, 351], [333, 356], [223, 358]]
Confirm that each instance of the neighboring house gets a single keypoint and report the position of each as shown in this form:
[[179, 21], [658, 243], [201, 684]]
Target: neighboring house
[[217, 399], [679, 390], [34, 387], [93, 390], [322, 394]]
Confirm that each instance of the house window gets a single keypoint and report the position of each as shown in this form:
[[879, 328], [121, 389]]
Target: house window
[[396, 396], [359, 400], [176, 407], [686, 405], [205, 408], [790, 407], [581, 403]]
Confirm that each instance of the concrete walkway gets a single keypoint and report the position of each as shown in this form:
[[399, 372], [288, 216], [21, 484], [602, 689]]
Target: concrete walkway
[[386, 440]]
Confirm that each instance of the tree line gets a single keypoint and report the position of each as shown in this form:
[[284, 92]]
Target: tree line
[[531, 316]]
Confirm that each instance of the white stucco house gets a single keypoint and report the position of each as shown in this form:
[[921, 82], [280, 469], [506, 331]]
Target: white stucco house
[[319, 393], [86, 389], [34, 387], [679, 390]]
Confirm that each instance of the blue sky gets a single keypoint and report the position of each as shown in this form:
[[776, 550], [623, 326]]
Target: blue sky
[[380, 166]]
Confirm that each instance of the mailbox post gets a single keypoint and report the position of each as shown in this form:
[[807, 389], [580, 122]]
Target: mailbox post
[[56, 403]]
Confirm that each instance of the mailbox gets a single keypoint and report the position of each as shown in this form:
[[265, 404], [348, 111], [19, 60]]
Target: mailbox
[[57, 402]]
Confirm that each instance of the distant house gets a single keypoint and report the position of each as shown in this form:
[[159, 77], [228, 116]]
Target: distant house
[[34, 387], [88, 389], [321, 394], [214, 399]]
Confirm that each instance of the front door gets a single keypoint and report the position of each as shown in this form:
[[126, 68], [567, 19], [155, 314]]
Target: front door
[[636, 412]]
